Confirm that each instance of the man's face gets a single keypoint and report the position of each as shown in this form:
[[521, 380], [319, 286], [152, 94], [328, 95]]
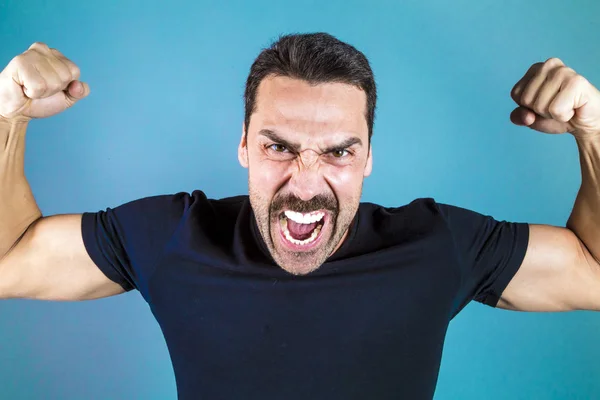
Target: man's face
[[307, 152]]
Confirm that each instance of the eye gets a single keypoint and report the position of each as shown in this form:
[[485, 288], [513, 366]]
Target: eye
[[340, 153], [279, 148]]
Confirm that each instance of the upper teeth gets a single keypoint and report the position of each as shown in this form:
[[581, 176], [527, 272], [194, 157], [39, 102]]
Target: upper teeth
[[304, 218]]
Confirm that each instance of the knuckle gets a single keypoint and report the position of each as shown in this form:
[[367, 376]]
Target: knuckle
[[526, 98], [562, 72], [39, 46], [553, 62], [534, 68], [75, 71], [53, 80], [64, 68], [555, 72], [560, 116], [64, 76], [37, 87], [539, 108], [556, 112], [56, 53], [514, 93], [577, 80], [63, 71], [18, 60]]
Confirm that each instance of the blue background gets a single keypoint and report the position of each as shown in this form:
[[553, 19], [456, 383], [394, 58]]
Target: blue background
[[165, 115]]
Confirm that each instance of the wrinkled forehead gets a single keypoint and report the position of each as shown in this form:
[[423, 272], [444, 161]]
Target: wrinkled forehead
[[295, 107]]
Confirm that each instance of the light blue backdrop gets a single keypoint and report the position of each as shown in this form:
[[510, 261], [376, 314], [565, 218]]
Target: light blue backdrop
[[165, 116]]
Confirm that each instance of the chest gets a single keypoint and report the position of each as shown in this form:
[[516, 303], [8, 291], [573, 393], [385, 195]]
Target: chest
[[357, 332]]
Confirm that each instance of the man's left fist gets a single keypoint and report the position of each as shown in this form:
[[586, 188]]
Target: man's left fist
[[553, 98]]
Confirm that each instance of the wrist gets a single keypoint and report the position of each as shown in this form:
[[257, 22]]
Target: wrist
[[14, 121], [587, 138], [13, 127]]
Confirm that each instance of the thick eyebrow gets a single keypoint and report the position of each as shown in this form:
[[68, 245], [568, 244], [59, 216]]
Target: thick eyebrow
[[295, 147], [344, 144]]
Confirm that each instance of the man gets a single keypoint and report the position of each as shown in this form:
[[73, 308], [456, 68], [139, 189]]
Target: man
[[299, 291]]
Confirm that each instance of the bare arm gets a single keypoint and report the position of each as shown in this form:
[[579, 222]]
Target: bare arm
[[558, 274], [40, 257], [50, 262], [561, 271], [18, 208]]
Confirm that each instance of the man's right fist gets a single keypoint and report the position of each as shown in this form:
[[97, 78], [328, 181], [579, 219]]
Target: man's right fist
[[39, 83]]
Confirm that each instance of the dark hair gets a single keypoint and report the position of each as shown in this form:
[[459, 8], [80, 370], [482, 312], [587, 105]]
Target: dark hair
[[315, 58]]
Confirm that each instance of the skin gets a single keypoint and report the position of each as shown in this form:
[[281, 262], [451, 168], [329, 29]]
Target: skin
[[306, 149], [560, 271]]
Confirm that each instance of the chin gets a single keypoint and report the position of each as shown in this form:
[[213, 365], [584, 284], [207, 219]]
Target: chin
[[299, 269], [298, 263]]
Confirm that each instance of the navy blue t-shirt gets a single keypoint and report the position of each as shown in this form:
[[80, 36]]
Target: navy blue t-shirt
[[368, 324]]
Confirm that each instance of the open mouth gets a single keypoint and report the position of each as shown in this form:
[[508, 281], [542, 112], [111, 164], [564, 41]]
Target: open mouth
[[301, 231]]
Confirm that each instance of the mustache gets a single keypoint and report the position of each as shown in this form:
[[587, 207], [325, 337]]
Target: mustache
[[293, 203]]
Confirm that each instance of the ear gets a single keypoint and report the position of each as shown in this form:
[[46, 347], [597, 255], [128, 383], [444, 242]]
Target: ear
[[243, 148], [369, 166]]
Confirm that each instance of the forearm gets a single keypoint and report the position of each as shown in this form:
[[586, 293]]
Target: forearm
[[18, 208], [585, 217]]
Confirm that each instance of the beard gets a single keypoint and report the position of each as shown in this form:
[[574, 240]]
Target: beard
[[269, 212]]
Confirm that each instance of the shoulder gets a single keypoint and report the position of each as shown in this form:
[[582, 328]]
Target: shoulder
[[426, 204], [379, 228], [186, 200], [390, 225], [177, 206], [228, 205], [424, 210]]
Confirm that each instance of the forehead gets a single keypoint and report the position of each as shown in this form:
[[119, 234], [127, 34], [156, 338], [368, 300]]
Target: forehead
[[296, 106]]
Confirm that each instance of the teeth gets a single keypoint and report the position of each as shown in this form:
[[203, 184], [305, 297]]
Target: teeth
[[289, 237], [304, 218]]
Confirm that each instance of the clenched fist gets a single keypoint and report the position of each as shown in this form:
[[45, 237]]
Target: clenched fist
[[553, 98], [39, 83]]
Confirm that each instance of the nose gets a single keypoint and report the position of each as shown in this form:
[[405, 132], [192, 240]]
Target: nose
[[306, 181], [308, 157]]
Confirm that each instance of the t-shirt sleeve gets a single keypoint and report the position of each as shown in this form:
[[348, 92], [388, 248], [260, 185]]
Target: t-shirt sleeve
[[127, 242], [490, 253]]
